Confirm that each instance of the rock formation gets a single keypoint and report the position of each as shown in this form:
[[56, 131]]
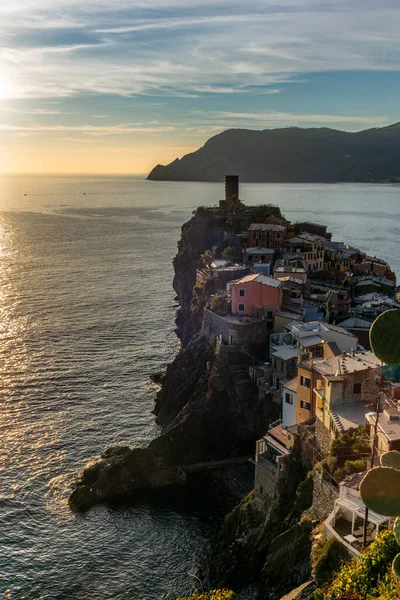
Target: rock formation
[[208, 406], [254, 537]]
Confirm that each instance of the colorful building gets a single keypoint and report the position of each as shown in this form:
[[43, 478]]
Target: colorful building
[[257, 296], [309, 249]]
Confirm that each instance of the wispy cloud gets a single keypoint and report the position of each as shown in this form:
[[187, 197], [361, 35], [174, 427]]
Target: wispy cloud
[[85, 129], [272, 117], [180, 49]]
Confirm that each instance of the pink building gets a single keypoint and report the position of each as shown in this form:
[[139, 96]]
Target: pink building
[[256, 295]]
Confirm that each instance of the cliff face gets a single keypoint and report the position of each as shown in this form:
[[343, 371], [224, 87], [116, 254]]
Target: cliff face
[[291, 155], [208, 406], [202, 232], [269, 543], [209, 414]]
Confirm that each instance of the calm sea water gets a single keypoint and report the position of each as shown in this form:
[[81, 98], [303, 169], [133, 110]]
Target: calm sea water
[[86, 314]]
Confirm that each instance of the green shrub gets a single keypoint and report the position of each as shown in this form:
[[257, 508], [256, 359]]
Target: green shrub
[[348, 454], [329, 560], [219, 304], [359, 579], [211, 595], [355, 466]]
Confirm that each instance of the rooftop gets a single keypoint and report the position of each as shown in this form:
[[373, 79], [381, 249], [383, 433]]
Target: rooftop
[[259, 278], [260, 250], [291, 385], [302, 329], [345, 363], [277, 437], [350, 416], [286, 352], [353, 481], [355, 322], [389, 427], [305, 237], [266, 227]]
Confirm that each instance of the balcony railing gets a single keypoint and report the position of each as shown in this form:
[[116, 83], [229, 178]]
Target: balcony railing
[[263, 384]]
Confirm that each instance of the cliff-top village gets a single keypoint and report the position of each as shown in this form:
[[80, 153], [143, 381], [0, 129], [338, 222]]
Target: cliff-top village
[[301, 305]]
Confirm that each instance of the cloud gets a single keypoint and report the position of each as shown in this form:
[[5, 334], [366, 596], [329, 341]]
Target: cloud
[[84, 129], [290, 118], [60, 48]]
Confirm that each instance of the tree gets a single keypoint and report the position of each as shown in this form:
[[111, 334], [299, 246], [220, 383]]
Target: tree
[[234, 204], [227, 253], [207, 259]]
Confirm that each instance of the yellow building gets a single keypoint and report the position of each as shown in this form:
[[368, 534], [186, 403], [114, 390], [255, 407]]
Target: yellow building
[[341, 389], [304, 395]]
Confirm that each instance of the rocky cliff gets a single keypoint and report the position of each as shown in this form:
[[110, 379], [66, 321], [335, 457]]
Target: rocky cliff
[[203, 232], [269, 543], [208, 407], [292, 154]]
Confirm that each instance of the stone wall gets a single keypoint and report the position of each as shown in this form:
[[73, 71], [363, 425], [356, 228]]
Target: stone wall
[[324, 496], [249, 336], [322, 439], [264, 482]]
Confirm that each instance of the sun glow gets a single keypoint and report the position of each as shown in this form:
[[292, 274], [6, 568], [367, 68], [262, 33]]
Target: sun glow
[[6, 87]]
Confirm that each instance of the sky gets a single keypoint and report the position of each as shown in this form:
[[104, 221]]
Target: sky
[[119, 86]]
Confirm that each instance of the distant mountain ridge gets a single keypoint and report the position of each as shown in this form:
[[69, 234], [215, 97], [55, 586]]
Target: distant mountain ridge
[[292, 155]]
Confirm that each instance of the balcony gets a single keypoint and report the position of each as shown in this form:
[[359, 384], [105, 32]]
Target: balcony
[[262, 384]]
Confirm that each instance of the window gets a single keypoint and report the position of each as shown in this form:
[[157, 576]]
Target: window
[[356, 388], [241, 307], [318, 352], [241, 292], [289, 398], [305, 405], [305, 381]]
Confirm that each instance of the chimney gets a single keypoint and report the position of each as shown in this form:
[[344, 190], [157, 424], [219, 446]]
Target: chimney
[[231, 186]]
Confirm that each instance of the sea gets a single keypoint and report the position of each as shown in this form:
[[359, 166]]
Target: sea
[[86, 315]]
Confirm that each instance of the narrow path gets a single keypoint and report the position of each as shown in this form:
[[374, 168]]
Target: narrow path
[[215, 464]]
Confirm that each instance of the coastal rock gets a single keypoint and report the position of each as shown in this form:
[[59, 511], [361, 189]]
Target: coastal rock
[[288, 561], [122, 473]]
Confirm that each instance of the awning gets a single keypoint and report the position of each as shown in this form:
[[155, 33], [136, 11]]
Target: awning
[[357, 507]]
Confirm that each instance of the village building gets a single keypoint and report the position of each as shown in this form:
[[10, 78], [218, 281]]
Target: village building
[[338, 304], [283, 269], [388, 432], [258, 254], [313, 228], [346, 521], [358, 327], [340, 389], [257, 295], [307, 248], [374, 266], [266, 235]]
